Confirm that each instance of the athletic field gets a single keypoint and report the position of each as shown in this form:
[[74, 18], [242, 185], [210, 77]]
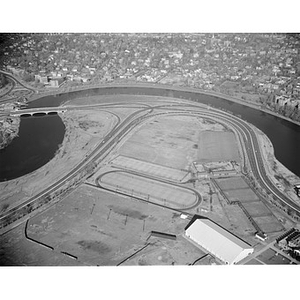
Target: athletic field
[[145, 167], [149, 189], [237, 189]]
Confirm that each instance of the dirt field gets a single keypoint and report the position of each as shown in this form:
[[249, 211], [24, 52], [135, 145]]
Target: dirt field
[[166, 252], [217, 146], [16, 250], [150, 190], [99, 228], [232, 183], [144, 167], [170, 141]]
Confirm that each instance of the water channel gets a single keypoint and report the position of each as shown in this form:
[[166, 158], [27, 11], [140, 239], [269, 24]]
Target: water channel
[[40, 137]]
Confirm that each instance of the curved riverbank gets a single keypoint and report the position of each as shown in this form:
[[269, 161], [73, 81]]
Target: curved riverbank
[[125, 84], [9, 129]]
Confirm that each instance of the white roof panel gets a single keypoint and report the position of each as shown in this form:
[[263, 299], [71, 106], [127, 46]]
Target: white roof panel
[[218, 241]]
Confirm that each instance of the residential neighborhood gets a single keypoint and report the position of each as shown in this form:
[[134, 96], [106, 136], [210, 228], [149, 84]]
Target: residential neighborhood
[[260, 68]]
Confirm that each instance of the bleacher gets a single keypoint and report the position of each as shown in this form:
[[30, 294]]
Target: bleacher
[[286, 234]]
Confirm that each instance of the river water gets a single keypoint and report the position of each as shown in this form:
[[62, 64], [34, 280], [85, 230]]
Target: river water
[[39, 137]]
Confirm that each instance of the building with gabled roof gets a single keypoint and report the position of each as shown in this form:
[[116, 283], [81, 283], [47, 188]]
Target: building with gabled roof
[[218, 241]]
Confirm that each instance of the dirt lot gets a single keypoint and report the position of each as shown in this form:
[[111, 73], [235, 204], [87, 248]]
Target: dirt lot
[[166, 252], [16, 250], [99, 228]]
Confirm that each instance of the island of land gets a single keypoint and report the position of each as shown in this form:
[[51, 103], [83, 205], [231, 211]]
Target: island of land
[[148, 164]]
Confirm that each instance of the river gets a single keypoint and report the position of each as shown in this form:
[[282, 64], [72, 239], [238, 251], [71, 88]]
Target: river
[[39, 137]]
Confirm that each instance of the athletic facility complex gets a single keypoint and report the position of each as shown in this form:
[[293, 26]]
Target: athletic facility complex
[[218, 241]]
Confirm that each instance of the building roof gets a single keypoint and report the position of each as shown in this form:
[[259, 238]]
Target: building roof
[[217, 240]]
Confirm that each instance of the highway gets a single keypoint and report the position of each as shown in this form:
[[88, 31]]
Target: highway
[[253, 152], [246, 134], [109, 141], [18, 81]]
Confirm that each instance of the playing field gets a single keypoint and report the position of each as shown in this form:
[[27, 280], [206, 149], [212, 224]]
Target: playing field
[[268, 224], [232, 183], [257, 209], [243, 195], [217, 146], [145, 167], [148, 189], [237, 189]]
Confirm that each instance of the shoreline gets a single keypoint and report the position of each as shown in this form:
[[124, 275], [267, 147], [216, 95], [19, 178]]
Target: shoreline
[[9, 130], [250, 104]]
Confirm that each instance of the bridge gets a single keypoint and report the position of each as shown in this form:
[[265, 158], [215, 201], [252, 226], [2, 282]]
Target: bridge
[[37, 111]]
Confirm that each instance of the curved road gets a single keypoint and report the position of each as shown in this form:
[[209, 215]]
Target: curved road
[[18, 81], [112, 138], [253, 153]]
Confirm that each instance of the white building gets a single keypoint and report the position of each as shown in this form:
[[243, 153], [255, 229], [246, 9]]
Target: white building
[[218, 241]]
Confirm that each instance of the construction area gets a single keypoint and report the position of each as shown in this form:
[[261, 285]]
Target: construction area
[[94, 227]]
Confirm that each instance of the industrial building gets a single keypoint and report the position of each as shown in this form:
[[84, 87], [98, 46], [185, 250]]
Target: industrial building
[[217, 241]]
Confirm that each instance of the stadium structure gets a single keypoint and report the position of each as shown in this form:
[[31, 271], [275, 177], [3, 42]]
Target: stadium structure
[[217, 241]]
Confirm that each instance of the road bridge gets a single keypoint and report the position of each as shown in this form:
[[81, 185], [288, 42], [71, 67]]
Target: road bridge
[[37, 111]]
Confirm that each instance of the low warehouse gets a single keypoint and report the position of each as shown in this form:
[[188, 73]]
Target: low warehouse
[[218, 241]]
